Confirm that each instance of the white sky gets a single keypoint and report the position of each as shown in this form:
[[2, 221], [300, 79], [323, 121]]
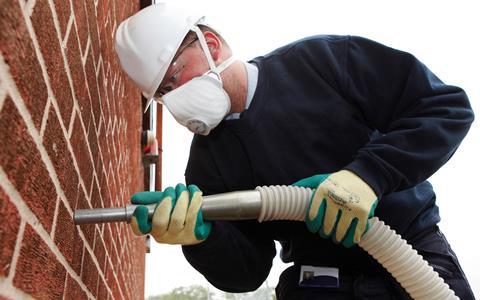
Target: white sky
[[444, 35]]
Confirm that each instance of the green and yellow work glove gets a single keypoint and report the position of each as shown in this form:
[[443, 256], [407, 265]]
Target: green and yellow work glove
[[340, 206], [177, 218]]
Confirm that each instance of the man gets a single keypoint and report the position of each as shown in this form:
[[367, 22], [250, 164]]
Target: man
[[363, 124]]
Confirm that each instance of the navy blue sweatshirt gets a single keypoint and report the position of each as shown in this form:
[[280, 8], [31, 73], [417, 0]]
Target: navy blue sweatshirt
[[323, 104]]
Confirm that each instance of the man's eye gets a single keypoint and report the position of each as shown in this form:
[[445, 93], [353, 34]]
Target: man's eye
[[173, 78]]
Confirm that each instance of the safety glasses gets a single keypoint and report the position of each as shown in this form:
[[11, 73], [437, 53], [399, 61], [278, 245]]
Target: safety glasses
[[172, 74]]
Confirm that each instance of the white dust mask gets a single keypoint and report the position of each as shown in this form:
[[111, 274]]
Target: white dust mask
[[201, 103]]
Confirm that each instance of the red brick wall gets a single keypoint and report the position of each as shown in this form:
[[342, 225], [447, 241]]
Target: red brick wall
[[70, 125]]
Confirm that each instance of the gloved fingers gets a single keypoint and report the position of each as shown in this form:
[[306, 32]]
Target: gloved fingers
[[140, 223], [314, 224], [161, 217], [163, 210], [314, 206], [332, 216], [360, 231], [194, 204], [348, 240], [192, 189], [343, 225], [177, 219], [201, 227], [144, 198], [311, 182], [169, 192]]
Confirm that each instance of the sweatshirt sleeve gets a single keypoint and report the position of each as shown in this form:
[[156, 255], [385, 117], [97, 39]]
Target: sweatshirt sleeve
[[421, 119], [237, 256]]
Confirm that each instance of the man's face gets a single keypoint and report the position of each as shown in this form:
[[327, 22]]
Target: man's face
[[188, 63]]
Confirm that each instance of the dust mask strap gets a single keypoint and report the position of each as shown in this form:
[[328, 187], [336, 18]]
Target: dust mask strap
[[213, 69], [203, 44], [225, 64]]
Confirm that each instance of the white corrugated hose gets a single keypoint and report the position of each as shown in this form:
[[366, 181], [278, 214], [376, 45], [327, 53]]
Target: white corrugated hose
[[399, 258]]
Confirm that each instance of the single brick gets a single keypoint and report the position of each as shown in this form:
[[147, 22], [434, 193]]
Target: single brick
[[82, 154], [116, 241], [102, 10], [121, 279], [115, 150], [24, 167], [73, 290], [78, 77], [81, 20], [109, 30], [104, 190], [93, 143], [18, 52], [104, 50], [8, 232], [56, 145], [109, 277], [111, 98], [68, 239], [103, 148], [62, 9], [116, 292], [99, 251], [114, 256], [93, 88], [112, 187], [107, 238], [121, 233], [92, 25], [38, 272], [42, 21], [89, 273], [103, 95], [102, 291], [95, 198], [100, 167]]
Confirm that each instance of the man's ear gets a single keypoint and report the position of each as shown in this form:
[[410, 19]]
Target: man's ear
[[214, 45]]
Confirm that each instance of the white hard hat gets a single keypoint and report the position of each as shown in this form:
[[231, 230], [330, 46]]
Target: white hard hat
[[147, 42]]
